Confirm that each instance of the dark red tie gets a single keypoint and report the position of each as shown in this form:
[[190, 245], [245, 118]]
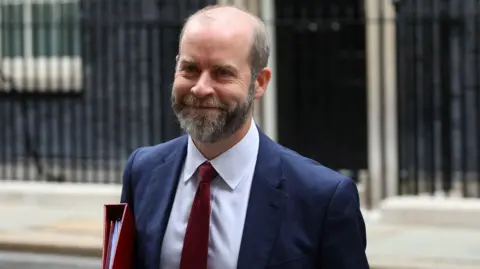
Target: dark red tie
[[195, 244]]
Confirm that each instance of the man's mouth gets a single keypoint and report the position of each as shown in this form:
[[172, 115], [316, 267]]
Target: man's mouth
[[205, 107]]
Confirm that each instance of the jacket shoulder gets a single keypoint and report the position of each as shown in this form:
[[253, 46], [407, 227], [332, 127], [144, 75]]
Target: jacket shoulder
[[152, 155], [145, 159], [309, 175]]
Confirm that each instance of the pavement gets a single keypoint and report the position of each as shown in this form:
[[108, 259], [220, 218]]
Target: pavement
[[22, 260], [73, 230]]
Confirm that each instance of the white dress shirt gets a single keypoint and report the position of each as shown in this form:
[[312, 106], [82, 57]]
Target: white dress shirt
[[229, 200]]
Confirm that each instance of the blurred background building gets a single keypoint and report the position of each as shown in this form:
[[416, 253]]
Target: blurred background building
[[385, 91]]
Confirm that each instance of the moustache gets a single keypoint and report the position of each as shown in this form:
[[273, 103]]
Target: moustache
[[195, 102]]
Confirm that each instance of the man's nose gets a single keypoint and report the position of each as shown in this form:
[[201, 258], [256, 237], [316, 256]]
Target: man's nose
[[203, 87]]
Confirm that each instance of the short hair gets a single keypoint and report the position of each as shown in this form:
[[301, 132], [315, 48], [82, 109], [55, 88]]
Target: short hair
[[260, 48]]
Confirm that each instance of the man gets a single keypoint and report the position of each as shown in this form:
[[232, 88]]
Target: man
[[225, 196]]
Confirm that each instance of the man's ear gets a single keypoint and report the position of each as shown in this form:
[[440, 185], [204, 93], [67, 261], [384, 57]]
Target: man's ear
[[261, 82], [177, 58]]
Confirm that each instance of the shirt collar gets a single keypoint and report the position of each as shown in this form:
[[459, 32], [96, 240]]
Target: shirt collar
[[232, 164]]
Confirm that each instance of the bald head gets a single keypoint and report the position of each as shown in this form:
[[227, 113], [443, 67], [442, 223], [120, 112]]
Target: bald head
[[239, 22]]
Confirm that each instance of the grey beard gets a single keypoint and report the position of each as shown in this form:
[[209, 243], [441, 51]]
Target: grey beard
[[205, 130]]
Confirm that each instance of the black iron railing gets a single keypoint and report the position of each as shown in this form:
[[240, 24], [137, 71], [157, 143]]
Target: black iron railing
[[85, 82], [439, 97]]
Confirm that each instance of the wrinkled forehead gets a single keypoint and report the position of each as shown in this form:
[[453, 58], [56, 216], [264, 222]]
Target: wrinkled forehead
[[213, 42]]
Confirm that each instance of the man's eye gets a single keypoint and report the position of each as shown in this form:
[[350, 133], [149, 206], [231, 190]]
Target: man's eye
[[223, 73], [190, 68]]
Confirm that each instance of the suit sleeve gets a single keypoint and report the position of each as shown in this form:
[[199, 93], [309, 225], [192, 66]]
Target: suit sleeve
[[127, 197], [344, 235], [127, 189]]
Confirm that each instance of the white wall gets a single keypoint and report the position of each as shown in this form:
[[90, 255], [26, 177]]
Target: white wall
[[381, 92]]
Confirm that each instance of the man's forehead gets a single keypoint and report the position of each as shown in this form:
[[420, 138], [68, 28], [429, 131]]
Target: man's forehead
[[227, 32], [214, 46], [220, 36]]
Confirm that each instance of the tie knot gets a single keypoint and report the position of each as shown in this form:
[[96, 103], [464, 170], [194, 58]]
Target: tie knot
[[206, 172]]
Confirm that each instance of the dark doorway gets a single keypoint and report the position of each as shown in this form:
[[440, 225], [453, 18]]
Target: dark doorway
[[321, 80]]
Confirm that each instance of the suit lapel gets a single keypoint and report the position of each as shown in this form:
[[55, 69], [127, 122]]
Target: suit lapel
[[159, 200], [265, 208]]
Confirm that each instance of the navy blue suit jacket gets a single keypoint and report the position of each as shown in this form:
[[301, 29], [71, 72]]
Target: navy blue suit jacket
[[300, 214]]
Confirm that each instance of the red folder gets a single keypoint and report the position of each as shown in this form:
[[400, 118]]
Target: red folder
[[118, 237]]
